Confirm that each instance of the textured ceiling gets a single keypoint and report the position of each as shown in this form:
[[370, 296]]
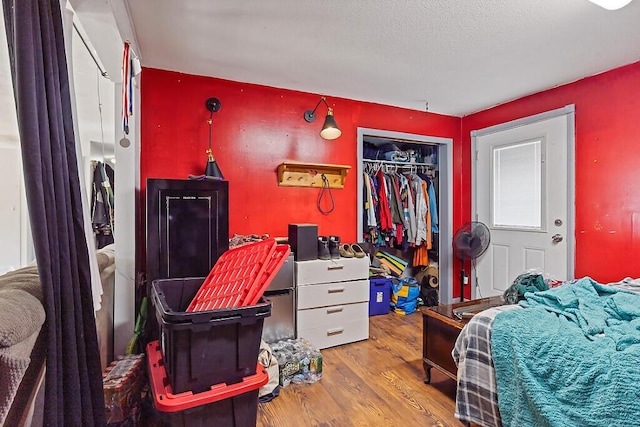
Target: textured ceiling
[[459, 56]]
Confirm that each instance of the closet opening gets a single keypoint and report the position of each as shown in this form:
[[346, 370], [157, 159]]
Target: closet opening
[[415, 171]]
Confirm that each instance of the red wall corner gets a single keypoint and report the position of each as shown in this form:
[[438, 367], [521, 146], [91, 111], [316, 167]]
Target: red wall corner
[[607, 153]]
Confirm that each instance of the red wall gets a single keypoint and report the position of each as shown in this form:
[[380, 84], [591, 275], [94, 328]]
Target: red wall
[[258, 128], [607, 166]]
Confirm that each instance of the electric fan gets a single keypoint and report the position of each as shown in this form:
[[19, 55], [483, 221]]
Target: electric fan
[[469, 242]]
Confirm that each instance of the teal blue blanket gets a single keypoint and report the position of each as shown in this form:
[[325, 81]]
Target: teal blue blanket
[[570, 358]]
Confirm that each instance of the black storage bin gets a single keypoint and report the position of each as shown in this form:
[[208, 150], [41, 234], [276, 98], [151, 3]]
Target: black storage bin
[[208, 347], [236, 411]]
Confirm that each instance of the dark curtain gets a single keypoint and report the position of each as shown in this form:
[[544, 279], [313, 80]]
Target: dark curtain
[[41, 87]]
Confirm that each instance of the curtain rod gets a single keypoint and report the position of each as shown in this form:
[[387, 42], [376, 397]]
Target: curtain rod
[[102, 72]]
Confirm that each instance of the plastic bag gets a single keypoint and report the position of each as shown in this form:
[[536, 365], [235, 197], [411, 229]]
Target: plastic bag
[[530, 281], [404, 294], [298, 361]]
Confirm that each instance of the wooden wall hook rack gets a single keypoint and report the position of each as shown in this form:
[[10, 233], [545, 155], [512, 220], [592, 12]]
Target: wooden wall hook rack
[[294, 174]]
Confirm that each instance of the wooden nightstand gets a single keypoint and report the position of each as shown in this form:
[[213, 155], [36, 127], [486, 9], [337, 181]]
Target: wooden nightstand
[[440, 329]]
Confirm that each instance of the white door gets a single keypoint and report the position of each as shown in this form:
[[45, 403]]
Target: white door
[[522, 195]]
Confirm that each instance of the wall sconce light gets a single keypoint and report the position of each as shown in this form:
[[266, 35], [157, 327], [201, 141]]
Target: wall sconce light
[[611, 4], [330, 129], [212, 169]]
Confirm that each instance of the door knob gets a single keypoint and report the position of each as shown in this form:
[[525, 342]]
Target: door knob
[[556, 238]]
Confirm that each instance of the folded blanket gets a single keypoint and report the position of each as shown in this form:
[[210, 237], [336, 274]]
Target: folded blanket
[[21, 312], [570, 358], [21, 318]]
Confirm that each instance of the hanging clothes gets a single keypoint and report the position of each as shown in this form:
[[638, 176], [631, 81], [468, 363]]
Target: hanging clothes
[[421, 212], [433, 208], [394, 205], [429, 240], [102, 209], [394, 197], [408, 209], [369, 203], [385, 212], [400, 210]]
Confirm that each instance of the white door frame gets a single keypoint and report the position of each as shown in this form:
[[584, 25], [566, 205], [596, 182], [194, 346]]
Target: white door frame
[[445, 204], [569, 111]]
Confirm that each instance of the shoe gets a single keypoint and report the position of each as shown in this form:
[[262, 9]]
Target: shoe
[[323, 248], [334, 247], [345, 251], [358, 252]]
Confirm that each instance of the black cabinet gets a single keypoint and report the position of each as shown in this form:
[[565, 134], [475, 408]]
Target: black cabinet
[[187, 227]]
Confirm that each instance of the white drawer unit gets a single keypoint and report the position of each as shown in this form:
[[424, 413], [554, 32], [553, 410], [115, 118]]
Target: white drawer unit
[[343, 333], [332, 316], [338, 270], [333, 301], [326, 294]]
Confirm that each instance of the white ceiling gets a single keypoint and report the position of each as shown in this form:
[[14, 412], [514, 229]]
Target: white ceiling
[[459, 56]]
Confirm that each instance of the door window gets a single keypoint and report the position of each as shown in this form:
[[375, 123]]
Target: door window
[[517, 185]]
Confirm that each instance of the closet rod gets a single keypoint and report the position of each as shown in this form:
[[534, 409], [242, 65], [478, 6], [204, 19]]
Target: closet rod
[[84, 42]]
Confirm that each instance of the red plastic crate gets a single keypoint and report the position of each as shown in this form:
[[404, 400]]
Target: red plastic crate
[[278, 257], [232, 277], [166, 401]]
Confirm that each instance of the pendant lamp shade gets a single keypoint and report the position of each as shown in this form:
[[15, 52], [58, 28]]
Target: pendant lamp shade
[[212, 169], [330, 129]]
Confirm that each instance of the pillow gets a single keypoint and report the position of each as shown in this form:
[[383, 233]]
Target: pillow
[[21, 315]]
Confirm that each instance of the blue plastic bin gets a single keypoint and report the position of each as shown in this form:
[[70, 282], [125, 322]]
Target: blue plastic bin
[[379, 296]]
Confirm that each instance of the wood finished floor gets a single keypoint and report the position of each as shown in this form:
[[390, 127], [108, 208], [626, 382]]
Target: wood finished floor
[[375, 382]]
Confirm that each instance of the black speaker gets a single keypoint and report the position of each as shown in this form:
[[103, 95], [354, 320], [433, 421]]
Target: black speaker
[[303, 239]]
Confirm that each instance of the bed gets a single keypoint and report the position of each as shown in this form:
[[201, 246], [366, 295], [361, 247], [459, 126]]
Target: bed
[[22, 341], [569, 356], [22, 347]]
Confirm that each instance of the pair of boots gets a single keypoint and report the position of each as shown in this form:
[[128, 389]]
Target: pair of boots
[[328, 247]]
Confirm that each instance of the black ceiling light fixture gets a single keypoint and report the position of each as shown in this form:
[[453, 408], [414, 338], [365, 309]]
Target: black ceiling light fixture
[[212, 169], [330, 129]]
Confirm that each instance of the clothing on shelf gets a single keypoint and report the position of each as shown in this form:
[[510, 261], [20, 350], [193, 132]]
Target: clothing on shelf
[[393, 152]]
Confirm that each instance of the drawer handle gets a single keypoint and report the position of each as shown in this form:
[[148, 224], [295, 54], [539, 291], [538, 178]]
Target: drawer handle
[[335, 290], [335, 331], [335, 267], [335, 309]]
